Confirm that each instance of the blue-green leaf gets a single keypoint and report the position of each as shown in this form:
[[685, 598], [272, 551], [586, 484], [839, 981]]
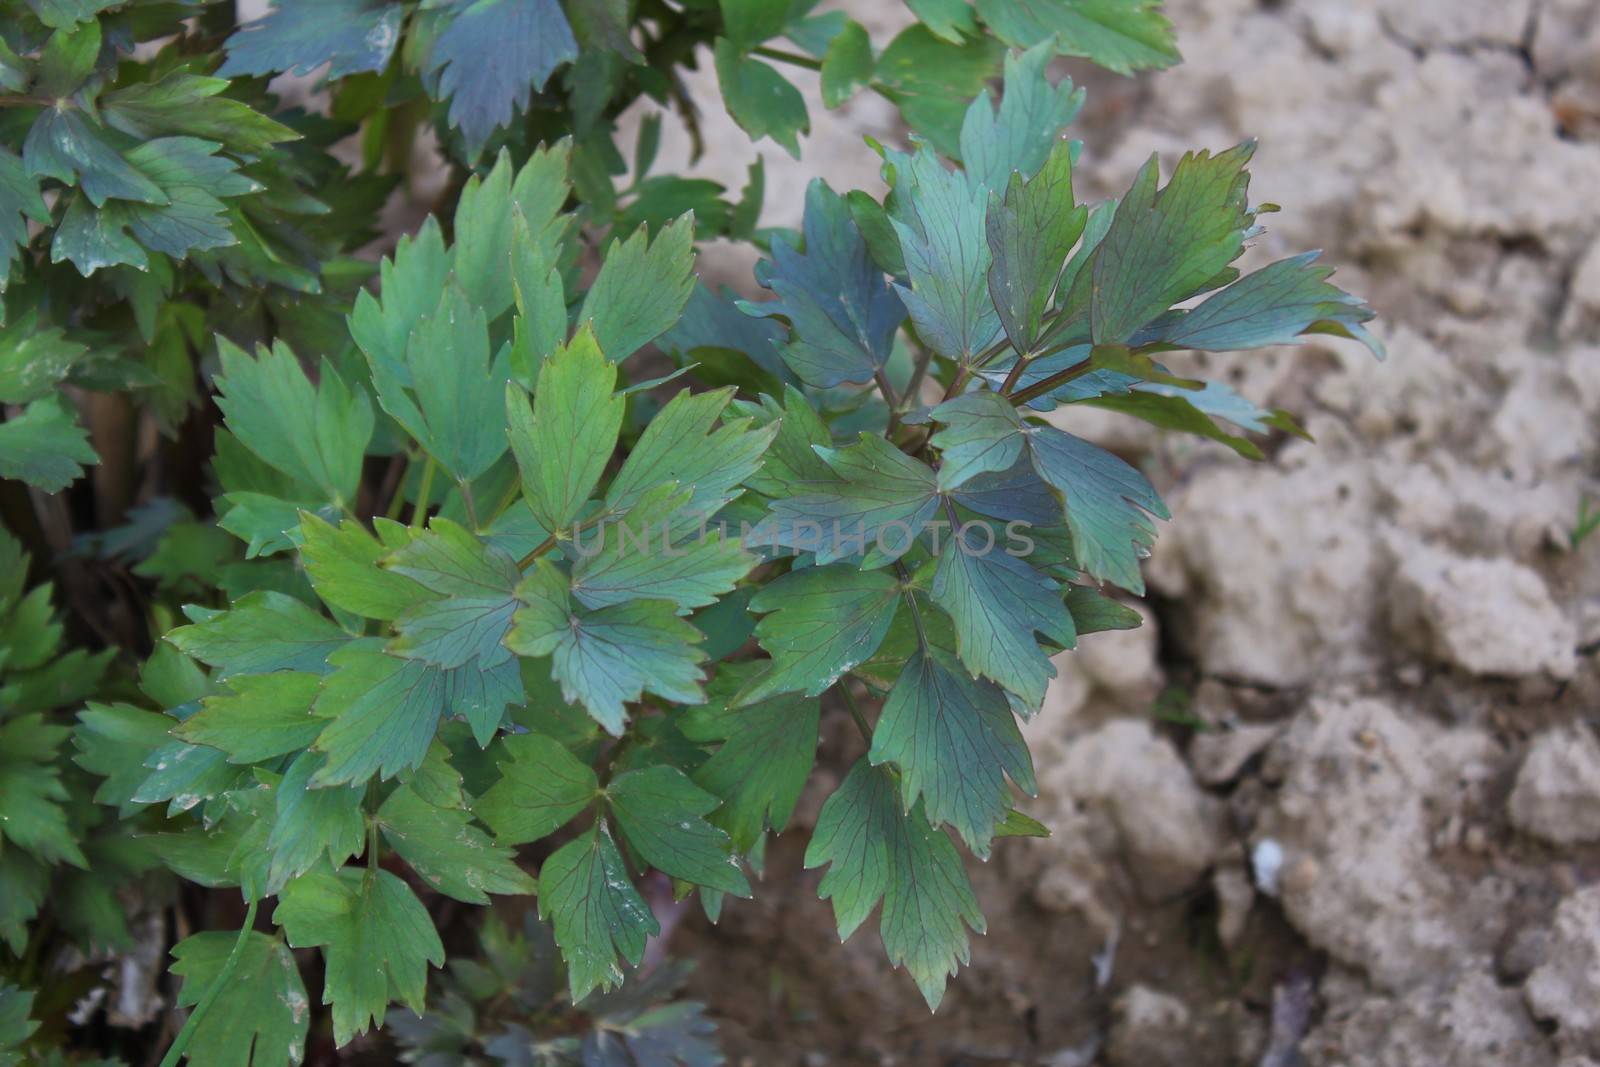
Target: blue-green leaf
[[661, 814], [997, 602], [1272, 306], [842, 313], [879, 850], [606, 657], [1107, 501], [586, 895], [1120, 35], [1166, 245], [954, 739], [375, 935], [263, 631], [542, 785], [301, 35], [1018, 139], [820, 622], [491, 55]]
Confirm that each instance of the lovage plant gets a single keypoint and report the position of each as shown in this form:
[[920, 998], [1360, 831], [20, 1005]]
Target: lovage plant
[[533, 566]]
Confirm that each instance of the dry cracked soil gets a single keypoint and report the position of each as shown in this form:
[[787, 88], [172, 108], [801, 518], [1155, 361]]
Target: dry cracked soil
[[1338, 803]]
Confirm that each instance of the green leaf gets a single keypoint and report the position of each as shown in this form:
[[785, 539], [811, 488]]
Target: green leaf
[[641, 289], [1271, 306], [375, 935], [997, 602], [342, 564], [818, 623], [790, 460], [16, 1026], [659, 550], [447, 851], [760, 100], [65, 14], [848, 65], [1025, 132], [1016, 824], [34, 359], [661, 814], [1030, 235], [1106, 505], [1165, 246], [680, 445], [934, 81], [32, 796], [951, 20], [262, 632], [19, 202], [446, 391], [842, 313], [316, 435], [1094, 612], [765, 755], [1106, 499], [713, 327], [301, 35], [183, 775], [1177, 409], [528, 40], [384, 710], [501, 221], [475, 583], [44, 445], [750, 22], [411, 282], [881, 851], [542, 785], [607, 657], [191, 216], [980, 432], [265, 715], [939, 217], [1121, 35], [564, 440], [880, 502], [113, 742], [181, 103], [65, 144], [260, 1016], [586, 895], [313, 823], [954, 740]]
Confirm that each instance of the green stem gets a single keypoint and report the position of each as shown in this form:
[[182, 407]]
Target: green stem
[[540, 549], [424, 494], [795, 59], [792, 58], [550, 542], [1045, 385], [1015, 376], [398, 500], [919, 371], [855, 712], [213, 991], [911, 602], [990, 353], [467, 502], [505, 501], [888, 398]]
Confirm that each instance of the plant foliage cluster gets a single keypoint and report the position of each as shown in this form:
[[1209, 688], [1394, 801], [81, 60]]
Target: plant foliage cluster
[[521, 564]]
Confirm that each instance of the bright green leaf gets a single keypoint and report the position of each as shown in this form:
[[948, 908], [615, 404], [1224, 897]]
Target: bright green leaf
[[375, 935]]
